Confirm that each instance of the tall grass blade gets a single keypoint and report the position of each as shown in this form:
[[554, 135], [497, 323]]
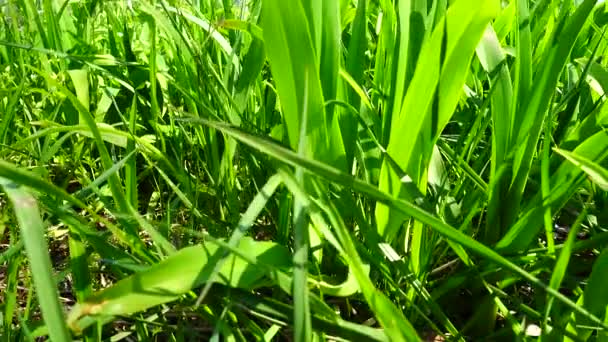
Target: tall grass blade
[[33, 234]]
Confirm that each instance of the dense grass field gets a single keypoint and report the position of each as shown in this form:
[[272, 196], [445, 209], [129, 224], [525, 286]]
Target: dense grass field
[[299, 170]]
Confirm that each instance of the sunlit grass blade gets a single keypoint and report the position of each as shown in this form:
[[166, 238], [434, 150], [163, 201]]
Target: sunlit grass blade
[[33, 234], [493, 60], [595, 172], [176, 275]]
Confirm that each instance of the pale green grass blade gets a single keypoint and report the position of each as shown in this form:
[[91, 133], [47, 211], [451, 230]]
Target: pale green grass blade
[[178, 274], [595, 172], [80, 80], [302, 323], [33, 233], [493, 60], [304, 237], [356, 88]]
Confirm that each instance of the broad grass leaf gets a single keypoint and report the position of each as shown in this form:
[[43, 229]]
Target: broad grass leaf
[[246, 26], [347, 288], [179, 273], [245, 223]]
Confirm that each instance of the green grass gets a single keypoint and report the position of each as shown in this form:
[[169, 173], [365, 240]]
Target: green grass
[[303, 170]]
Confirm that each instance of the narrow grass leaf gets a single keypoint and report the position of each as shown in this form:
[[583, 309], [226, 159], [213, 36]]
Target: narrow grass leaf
[[596, 173]]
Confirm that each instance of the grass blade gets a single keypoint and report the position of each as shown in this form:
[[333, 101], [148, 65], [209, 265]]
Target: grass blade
[[33, 233], [595, 172]]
